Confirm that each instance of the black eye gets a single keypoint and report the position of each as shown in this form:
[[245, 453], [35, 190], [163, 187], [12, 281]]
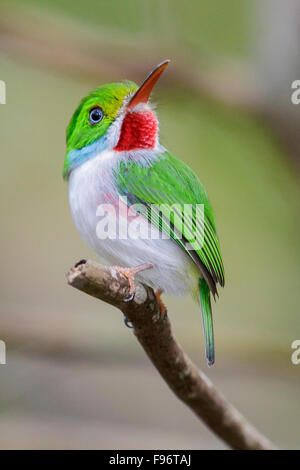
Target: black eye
[[96, 115]]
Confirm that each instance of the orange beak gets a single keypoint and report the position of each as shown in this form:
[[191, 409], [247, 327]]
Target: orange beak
[[143, 93]]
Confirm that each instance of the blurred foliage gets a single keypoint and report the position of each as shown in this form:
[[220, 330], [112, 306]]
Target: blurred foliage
[[212, 27]]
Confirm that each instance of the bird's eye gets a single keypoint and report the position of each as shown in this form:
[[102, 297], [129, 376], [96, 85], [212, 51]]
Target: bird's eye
[[96, 115]]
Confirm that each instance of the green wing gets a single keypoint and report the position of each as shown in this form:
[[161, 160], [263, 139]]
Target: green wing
[[169, 182]]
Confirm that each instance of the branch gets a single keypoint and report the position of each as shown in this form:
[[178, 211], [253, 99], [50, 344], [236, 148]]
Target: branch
[[155, 335]]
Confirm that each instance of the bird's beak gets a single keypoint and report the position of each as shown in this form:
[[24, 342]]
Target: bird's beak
[[143, 93]]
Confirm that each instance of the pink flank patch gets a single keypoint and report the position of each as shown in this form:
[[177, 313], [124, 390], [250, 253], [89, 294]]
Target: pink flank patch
[[138, 131]]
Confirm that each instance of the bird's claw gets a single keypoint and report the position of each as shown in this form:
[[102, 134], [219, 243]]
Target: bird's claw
[[130, 298], [127, 323], [163, 309], [129, 273]]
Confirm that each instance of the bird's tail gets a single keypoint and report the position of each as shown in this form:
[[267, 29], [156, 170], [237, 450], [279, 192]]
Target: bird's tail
[[207, 321]]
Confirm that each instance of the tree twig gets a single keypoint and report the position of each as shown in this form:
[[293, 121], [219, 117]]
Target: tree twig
[[155, 335]]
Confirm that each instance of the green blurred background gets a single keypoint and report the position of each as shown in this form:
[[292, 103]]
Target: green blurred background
[[75, 376]]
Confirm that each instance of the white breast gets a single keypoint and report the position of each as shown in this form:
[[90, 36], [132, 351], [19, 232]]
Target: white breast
[[92, 184]]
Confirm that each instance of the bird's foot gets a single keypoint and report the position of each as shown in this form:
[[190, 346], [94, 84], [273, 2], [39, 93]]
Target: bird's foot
[[163, 309], [127, 323], [129, 273]]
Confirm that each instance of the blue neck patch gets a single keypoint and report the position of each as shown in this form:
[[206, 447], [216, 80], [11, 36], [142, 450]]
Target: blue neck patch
[[78, 156]]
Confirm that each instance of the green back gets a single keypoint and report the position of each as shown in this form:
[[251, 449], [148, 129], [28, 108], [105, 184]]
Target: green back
[[169, 181]]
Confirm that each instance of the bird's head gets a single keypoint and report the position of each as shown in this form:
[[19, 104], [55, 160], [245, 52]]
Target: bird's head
[[116, 117]]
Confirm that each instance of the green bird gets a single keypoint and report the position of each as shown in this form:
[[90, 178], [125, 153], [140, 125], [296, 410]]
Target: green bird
[[135, 204]]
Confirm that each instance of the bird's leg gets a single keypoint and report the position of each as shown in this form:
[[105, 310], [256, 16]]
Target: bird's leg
[[163, 309], [129, 273]]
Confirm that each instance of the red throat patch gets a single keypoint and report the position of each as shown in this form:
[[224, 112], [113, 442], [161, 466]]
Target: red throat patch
[[138, 131]]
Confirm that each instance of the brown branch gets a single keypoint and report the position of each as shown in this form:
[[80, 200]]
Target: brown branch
[[155, 335]]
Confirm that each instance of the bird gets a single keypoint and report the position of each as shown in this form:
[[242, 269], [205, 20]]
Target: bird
[[127, 193]]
